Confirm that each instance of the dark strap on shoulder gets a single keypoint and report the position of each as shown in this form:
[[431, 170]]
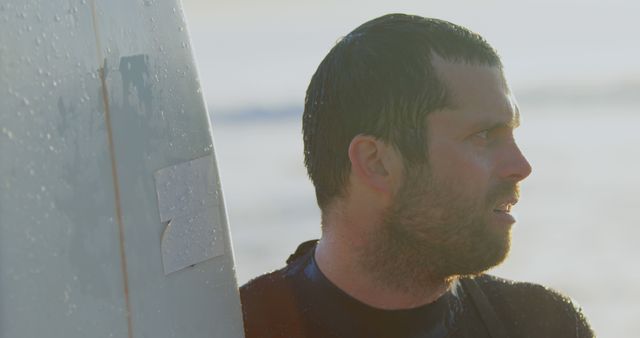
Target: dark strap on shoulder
[[285, 311], [302, 250], [484, 308]]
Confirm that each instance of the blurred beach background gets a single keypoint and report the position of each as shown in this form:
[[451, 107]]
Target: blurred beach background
[[574, 67]]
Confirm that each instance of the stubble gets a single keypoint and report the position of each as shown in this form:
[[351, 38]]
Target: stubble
[[433, 233]]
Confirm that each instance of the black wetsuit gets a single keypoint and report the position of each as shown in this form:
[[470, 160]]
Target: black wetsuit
[[299, 301]]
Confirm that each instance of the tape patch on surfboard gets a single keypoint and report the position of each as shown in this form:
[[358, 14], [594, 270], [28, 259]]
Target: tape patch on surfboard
[[189, 202]]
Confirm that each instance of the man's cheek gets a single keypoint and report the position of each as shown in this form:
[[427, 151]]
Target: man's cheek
[[468, 172]]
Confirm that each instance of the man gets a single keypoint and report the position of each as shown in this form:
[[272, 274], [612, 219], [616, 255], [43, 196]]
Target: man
[[408, 133]]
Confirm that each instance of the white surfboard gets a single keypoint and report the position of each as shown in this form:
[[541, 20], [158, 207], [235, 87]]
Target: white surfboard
[[112, 221]]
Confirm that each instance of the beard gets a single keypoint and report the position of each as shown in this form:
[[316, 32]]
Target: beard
[[434, 232]]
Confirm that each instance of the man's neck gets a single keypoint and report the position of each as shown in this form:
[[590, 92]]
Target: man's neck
[[338, 257]]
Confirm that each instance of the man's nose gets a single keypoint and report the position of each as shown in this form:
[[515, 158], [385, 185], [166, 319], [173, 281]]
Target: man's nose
[[514, 165]]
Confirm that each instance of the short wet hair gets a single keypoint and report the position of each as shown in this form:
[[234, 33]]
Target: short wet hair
[[379, 80]]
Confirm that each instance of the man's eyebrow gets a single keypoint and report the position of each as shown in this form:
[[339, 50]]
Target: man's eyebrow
[[514, 122], [511, 124]]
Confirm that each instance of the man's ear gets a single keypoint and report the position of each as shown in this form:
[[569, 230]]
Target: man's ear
[[375, 163]]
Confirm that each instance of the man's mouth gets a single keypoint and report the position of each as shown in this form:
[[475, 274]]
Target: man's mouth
[[505, 207]]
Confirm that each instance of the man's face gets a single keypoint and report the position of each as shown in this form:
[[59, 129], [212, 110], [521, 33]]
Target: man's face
[[452, 215]]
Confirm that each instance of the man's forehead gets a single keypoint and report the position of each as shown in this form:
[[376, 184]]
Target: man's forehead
[[477, 95], [465, 80]]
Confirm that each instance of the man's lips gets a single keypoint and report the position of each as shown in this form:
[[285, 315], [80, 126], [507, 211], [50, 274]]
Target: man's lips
[[505, 206], [502, 211]]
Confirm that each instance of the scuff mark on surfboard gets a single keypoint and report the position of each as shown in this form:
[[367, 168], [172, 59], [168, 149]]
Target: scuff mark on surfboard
[[134, 70]]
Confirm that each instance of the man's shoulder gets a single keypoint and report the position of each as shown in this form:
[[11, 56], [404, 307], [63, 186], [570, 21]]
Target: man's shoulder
[[269, 304], [527, 306], [277, 281], [510, 288], [260, 289]]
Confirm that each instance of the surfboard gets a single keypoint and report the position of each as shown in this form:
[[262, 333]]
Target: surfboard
[[112, 218]]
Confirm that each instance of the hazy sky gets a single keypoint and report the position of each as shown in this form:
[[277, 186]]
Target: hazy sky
[[263, 53]]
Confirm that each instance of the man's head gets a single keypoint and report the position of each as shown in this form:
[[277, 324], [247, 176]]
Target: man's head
[[380, 80], [416, 113], [451, 216]]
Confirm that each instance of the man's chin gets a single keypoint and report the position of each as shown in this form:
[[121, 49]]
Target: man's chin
[[489, 253]]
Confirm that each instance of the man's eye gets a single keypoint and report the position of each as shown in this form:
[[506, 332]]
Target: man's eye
[[483, 134]]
